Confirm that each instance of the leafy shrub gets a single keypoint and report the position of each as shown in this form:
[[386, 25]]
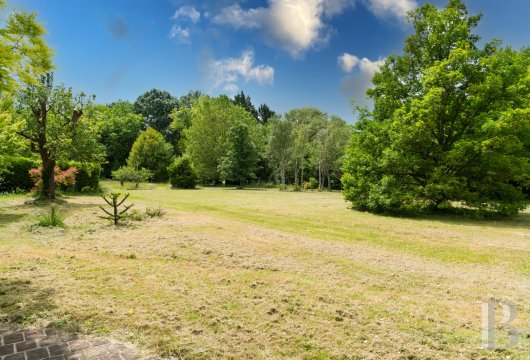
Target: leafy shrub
[[66, 179], [181, 174], [311, 184], [155, 212], [87, 175], [87, 189], [135, 215], [127, 173], [51, 217], [152, 152], [15, 174]]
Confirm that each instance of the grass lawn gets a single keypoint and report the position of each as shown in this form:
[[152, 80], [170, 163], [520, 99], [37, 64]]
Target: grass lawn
[[264, 274]]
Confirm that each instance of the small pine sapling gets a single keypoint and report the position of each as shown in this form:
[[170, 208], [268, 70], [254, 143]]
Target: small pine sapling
[[113, 200]]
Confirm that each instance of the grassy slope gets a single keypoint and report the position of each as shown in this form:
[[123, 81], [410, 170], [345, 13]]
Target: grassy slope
[[260, 273]]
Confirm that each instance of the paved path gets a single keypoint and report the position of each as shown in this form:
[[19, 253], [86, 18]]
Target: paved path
[[55, 345]]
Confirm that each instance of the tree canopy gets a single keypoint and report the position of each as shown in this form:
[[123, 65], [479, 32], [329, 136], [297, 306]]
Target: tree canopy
[[450, 123], [152, 152]]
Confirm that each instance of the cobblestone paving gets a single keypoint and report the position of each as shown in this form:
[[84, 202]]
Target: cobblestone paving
[[54, 345]]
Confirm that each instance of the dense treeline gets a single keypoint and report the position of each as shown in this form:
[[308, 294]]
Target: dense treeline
[[450, 126]]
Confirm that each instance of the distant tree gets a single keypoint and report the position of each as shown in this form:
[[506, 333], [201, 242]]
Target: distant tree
[[24, 55], [130, 174], [52, 121], [189, 99], [206, 137], [120, 127], [306, 124], [155, 106], [240, 161], [152, 152], [265, 113], [181, 173], [280, 147], [449, 125], [181, 118], [246, 103]]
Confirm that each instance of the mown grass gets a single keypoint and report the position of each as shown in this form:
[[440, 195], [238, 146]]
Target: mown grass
[[265, 274]]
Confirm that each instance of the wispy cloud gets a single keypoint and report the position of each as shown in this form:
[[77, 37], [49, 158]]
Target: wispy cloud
[[227, 73], [187, 12], [388, 9], [179, 34], [355, 85]]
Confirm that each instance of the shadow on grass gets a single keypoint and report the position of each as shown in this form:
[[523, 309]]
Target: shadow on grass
[[469, 218], [6, 219], [22, 301]]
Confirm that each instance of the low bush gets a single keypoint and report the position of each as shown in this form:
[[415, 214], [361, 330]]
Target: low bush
[[311, 184], [135, 215], [51, 217], [155, 212], [181, 174], [129, 174]]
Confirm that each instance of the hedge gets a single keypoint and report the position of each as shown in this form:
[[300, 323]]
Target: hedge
[[17, 175]]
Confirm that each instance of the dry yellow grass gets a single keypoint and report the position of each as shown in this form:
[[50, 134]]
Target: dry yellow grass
[[257, 274]]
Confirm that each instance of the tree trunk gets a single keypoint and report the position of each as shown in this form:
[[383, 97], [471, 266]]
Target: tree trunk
[[48, 178]]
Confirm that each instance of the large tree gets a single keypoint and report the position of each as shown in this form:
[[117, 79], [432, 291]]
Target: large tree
[[451, 122], [120, 128], [150, 151], [206, 137], [280, 147], [24, 55], [155, 106], [53, 122], [240, 160]]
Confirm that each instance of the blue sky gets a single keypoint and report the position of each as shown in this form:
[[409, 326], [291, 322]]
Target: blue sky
[[286, 53]]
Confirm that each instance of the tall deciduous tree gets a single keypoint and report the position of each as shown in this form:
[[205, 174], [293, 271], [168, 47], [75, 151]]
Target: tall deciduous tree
[[150, 151], [155, 106], [53, 122], [120, 127], [240, 161], [450, 122], [280, 147], [206, 138], [24, 55]]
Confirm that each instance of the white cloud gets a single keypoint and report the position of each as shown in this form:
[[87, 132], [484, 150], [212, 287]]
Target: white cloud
[[347, 62], [180, 35], [226, 73], [296, 25], [187, 12], [385, 9], [355, 85]]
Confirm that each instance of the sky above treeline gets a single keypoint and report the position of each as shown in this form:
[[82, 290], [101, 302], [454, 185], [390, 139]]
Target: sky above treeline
[[286, 53]]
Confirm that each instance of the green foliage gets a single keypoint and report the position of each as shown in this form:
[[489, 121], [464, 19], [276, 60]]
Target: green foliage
[[88, 174], [181, 173], [16, 174], [155, 212], [152, 152], [51, 217], [312, 184], [135, 215], [450, 123], [280, 146], [240, 161], [129, 174], [53, 122], [265, 113], [206, 140], [155, 106], [246, 103], [113, 200], [120, 127], [24, 54]]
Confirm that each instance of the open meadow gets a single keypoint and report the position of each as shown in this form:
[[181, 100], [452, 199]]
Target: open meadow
[[260, 273]]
